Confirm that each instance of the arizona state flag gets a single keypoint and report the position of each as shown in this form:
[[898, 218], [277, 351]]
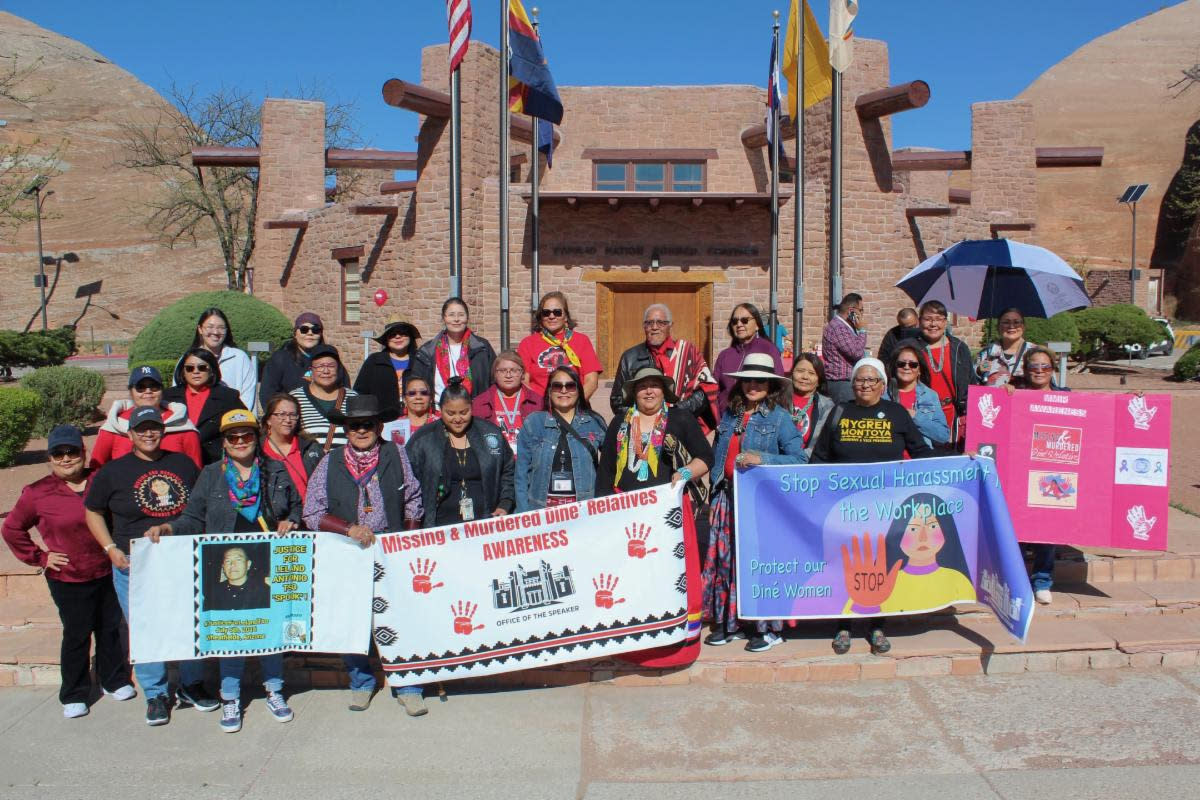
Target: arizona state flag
[[817, 73], [531, 88]]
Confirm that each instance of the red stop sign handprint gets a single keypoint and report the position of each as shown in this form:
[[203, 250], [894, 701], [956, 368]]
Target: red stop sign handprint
[[463, 612], [637, 534], [422, 572], [605, 585]]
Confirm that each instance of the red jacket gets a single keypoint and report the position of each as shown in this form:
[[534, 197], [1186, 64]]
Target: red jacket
[[57, 513], [113, 440], [487, 405]]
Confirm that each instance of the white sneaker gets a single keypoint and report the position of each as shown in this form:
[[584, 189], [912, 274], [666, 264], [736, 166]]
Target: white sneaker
[[1043, 596], [75, 710], [126, 692]]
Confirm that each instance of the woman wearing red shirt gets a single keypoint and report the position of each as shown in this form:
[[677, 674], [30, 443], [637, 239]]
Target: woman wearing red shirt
[[280, 441], [146, 389]]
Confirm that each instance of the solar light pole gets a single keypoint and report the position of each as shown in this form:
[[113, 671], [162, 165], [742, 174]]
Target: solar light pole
[[34, 190], [1130, 198]]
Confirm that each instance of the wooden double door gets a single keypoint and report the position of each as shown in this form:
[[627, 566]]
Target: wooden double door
[[620, 307]]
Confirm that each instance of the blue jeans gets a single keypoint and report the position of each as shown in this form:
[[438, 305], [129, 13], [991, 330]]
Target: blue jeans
[[1042, 570], [231, 670], [363, 679], [152, 676]]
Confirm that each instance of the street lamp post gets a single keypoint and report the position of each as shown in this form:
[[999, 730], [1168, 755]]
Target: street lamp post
[[35, 190], [1130, 197]]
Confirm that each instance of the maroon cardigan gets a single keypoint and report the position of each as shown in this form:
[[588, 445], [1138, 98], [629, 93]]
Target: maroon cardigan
[[57, 513], [487, 405]]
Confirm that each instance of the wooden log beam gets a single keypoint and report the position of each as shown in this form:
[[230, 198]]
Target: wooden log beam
[[344, 253], [338, 158], [285, 224], [418, 98], [225, 156], [1002, 227], [1070, 156], [520, 127], [929, 211], [366, 210], [395, 187], [697, 202], [892, 100], [961, 196], [614, 203], [931, 160], [654, 201], [573, 203], [755, 136]]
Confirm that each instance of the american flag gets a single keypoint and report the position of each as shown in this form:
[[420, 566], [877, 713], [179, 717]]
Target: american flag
[[458, 18], [774, 100]]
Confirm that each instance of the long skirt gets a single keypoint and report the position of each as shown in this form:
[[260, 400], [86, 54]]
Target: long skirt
[[720, 568]]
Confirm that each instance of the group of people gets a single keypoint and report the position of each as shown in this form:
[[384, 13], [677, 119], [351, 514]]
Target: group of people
[[444, 431]]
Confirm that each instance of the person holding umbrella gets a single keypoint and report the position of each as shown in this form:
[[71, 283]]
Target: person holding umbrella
[[1003, 361]]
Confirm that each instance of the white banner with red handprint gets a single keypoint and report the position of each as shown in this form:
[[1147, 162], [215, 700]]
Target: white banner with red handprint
[[1081, 468], [573, 582]]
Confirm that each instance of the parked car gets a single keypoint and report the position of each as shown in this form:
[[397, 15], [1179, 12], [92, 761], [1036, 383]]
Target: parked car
[[1164, 346]]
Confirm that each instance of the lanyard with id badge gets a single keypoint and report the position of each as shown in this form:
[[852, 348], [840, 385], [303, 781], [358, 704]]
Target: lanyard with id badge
[[562, 479]]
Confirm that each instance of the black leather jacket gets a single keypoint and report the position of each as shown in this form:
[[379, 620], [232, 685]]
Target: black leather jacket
[[639, 357], [210, 511], [427, 451]]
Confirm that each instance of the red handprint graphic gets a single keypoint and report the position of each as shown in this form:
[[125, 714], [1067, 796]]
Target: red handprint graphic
[[422, 571], [605, 585], [464, 611], [637, 536]]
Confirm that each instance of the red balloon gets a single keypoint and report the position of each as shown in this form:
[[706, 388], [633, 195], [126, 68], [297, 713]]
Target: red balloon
[[381, 297]]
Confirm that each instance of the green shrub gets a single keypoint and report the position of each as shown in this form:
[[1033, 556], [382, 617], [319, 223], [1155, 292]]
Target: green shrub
[[19, 410], [1107, 329], [1059, 328], [70, 396], [36, 348], [165, 367], [1188, 365], [170, 333]]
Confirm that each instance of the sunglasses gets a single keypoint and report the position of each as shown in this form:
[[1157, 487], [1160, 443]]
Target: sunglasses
[[143, 388], [741, 320], [360, 425], [417, 393], [551, 312], [564, 386], [308, 329], [1040, 368], [908, 364], [241, 438], [195, 367], [63, 453]]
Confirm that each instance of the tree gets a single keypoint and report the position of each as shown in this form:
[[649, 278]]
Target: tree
[[22, 161], [195, 202]]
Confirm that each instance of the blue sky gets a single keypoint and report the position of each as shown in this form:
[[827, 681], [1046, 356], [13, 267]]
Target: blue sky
[[967, 50]]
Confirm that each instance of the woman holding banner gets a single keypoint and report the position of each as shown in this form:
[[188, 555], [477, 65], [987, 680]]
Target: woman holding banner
[[366, 487], [557, 453], [242, 493], [865, 430], [756, 428], [811, 406]]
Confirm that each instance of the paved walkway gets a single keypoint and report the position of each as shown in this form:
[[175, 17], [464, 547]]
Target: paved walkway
[[1127, 734]]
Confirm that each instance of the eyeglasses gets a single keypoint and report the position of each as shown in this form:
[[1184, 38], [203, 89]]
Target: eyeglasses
[[285, 415], [325, 368], [564, 386], [551, 312], [656, 323], [219, 331], [360, 425], [241, 438], [741, 320], [195, 367], [866, 382], [933, 318], [310, 329], [63, 453], [1040, 368], [908, 364], [149, 430], [417, 393], [1012, 323], [509, 370]]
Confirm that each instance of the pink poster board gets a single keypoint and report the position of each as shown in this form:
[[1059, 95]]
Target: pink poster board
[[1080, 468]]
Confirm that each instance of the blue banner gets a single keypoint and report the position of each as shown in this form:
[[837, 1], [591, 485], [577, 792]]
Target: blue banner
[[900, 537]]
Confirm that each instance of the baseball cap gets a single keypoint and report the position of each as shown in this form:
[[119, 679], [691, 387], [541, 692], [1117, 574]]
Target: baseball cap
[[145, 373], [64, 436], [238, 418], [143, 414]]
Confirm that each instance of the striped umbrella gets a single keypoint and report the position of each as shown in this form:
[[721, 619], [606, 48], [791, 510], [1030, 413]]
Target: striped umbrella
[[981, 278]]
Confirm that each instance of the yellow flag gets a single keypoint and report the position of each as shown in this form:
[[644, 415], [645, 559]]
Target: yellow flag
[[818, 76]]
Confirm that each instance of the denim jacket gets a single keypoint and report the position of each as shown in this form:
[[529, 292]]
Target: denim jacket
[[770, 433], [536, 444], [930, 419]]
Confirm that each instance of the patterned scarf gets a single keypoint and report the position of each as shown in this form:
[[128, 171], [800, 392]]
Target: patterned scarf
[[244, 494], [462, 367], [563, 344], [651, 446], [362, 465], [802, 416]]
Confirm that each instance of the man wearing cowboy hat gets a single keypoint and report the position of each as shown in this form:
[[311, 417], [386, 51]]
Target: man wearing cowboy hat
[[382, 374]]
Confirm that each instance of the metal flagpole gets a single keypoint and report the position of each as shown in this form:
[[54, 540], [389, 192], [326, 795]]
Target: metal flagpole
[[773, 321], [798, 199], [835, 191], [455, 185], [504, 168], [534, 207]]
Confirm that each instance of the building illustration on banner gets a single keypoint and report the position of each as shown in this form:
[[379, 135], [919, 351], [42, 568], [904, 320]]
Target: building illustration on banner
[[526, 589]]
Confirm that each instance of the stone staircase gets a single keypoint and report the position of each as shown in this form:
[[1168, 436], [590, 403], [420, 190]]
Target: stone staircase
[[1112, 609]]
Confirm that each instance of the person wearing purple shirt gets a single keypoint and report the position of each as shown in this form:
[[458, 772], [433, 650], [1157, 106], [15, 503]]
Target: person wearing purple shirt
[[843, 343], [747, 335]]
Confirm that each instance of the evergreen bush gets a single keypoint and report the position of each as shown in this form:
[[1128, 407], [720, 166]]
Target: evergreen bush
[[170, 333], [70, 396], [19, 409]]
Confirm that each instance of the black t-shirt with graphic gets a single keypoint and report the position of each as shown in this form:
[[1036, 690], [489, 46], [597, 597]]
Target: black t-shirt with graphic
[[864, 435], [137, 494]]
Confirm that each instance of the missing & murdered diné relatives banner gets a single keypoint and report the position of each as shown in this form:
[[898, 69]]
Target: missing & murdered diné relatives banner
[[900, 537], [248, 594]]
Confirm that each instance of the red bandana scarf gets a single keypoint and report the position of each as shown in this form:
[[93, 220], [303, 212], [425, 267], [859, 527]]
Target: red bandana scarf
[[462, 367]]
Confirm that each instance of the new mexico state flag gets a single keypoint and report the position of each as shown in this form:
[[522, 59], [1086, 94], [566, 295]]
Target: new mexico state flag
[[818, 75]]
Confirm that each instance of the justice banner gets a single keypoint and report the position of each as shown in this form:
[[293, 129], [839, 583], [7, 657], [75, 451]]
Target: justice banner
[[899, 537], [568, 583], [1081, 468], [248, 594]]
